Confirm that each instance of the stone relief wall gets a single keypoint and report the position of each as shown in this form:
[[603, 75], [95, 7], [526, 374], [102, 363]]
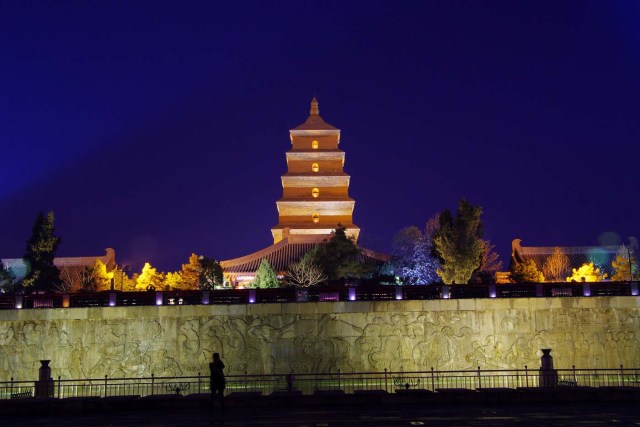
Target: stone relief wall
[[321, 337]]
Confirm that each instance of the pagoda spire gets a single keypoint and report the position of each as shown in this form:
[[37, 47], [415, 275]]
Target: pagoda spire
[[315, 110]]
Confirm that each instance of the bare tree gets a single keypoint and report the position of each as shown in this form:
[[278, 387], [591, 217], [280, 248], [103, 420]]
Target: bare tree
[[556, 267], [304, 273]]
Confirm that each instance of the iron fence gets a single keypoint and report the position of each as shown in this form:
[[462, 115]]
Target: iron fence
[[310, 383]]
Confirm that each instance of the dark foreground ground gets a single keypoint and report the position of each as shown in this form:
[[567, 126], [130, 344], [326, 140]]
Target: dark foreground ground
[[561, 408]]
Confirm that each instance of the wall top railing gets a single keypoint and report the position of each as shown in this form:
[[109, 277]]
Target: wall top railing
[[315, 294]]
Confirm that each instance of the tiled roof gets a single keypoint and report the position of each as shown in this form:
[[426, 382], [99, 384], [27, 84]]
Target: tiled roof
[[282, 255], [70, 268]]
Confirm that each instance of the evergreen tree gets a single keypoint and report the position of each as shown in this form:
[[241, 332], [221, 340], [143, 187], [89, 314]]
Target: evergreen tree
[[526, 272], [266, 276], [210, 273], [340, 257], [412, 260], [458, 243], [43, 275]]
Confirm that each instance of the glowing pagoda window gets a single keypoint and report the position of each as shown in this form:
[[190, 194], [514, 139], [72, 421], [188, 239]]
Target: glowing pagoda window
[[315, 192], [315, 217], [314, 145], [315, 167]]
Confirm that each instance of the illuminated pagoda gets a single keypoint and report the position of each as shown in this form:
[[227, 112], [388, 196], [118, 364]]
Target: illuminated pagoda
[[315, 199], [315, 196]]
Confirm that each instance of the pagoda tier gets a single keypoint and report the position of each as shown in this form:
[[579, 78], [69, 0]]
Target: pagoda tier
[[315, 196]]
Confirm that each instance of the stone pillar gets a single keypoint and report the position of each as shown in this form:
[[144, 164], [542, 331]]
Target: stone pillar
[[44, 385], [548, 376]]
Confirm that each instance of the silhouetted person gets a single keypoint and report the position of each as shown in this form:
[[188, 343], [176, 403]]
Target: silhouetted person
[[218, 382]]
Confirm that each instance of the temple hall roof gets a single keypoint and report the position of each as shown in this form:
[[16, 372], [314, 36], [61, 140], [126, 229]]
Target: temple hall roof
[[600, 256], [284, 253]]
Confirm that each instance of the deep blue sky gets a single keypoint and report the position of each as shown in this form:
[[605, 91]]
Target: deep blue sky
[[159, 128]]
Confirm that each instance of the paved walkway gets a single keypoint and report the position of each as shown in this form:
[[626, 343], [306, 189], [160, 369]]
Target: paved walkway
[[599, 414]]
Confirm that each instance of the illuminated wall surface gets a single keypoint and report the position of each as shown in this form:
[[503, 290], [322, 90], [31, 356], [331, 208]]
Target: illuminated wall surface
[[320, 337]]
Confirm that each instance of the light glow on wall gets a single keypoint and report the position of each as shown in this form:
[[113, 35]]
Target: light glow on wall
[[352, 294]]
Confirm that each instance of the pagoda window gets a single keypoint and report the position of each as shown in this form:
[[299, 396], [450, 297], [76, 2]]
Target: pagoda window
[[315, 167], [315, 192], [314, 145], [315, 218]]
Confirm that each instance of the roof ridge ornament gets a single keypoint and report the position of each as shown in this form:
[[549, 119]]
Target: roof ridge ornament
[[315, 110]]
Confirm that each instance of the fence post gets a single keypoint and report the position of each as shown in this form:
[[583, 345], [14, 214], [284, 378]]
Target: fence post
[[433, 381], [153, 380], [11, 389], [58, 386], [246, 380], [526, 375], [575, 379], [105, 386], [199, 383], [386, 387], [479, 379], [339, 388], [621, 375]]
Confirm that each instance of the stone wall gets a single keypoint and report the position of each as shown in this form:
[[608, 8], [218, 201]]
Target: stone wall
[[321, 337]]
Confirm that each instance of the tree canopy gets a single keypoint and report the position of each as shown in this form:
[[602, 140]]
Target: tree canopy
[[266, 276], [340, 257], [526, 272], [412, 260], [587, 272], [305, 272], [458, 243], [556, 266], [42, 275], [625, 266]]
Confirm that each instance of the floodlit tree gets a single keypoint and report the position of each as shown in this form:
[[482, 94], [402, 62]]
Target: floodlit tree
[[122, 281], [149, 278], [266, 276], [490, 263], [42, 274], [94, 278], [305, 273], [587, 273], [526, 272], [412, 259], [624, 269], [210, 274], [556, 266], [458, 243], [173, 280], [191, 273]]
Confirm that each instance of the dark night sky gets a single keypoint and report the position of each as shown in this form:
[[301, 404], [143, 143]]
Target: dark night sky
[[160, 128]]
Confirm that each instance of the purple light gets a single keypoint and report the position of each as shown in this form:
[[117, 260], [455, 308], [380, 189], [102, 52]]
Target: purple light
[[398, 292], [158, 298], [252, 296], [352, 294]]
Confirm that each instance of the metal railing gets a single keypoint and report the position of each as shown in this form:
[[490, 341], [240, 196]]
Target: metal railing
[[316, 294], [351, 382]]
